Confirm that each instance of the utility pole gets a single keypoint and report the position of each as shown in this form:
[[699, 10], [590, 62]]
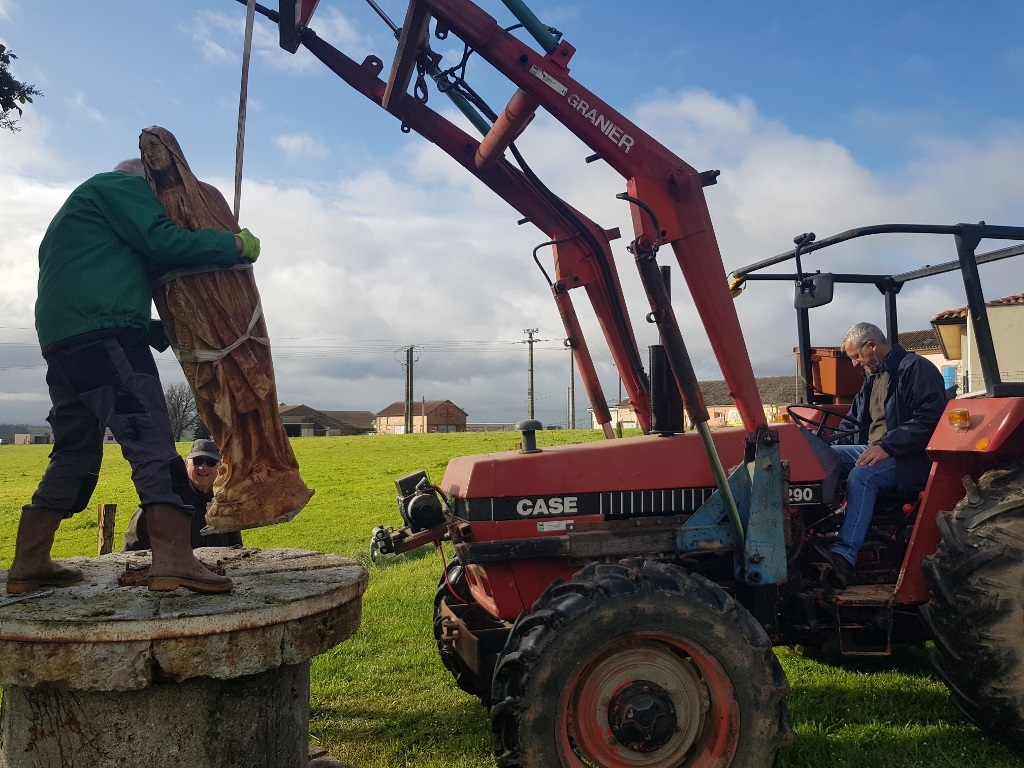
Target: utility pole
[[570, 421], [407, 361], [529, 386], [408, 390]]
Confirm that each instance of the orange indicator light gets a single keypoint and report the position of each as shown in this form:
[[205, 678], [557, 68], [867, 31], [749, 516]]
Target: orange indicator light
[[959, 418]]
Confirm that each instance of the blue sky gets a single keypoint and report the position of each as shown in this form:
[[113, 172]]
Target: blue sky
[[822, 116]]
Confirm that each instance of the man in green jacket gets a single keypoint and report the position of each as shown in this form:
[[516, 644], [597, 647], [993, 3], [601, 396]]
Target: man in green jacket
[[93, 321]]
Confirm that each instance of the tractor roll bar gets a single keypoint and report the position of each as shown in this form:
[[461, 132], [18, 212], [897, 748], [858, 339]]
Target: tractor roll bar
[[967, 237]]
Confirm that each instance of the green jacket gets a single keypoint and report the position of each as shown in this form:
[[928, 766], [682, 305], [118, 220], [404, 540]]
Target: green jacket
[[95, 256]]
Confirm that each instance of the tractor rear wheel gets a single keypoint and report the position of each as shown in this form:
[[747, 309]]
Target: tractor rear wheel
[[465, 678], [977, 606], [638, 666]]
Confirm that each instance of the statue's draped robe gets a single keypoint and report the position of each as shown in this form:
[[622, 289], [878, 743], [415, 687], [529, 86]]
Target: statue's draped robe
[[206, 312]]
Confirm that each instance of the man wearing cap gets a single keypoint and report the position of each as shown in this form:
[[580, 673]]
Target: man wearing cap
[[202, 464]]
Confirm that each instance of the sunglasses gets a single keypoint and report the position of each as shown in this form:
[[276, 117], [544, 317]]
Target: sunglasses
[[205, 461]]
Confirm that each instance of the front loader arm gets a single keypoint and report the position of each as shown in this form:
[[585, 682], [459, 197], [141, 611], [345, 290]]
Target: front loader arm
[[665, 194], [582, 258], [669, 187]]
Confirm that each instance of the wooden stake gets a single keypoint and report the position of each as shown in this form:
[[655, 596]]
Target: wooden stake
[[105, 532]]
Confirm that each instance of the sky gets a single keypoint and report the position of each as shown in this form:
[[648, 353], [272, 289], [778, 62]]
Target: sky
[[820, 116]]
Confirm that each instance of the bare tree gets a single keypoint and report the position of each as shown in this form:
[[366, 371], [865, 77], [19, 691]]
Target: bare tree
[[181, 407]]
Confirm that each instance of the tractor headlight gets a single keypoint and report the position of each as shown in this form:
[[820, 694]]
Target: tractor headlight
[[418, 502]]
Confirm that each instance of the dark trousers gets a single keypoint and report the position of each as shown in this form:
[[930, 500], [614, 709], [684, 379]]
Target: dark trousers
[[107, 382]]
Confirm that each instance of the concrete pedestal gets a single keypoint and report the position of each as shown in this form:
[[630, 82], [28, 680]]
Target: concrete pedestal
[[103, 676]]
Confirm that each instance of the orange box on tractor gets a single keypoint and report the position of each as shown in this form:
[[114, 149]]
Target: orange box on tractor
[[833, 374]]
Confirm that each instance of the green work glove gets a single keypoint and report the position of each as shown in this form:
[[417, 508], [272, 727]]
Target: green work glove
[[250, 245]]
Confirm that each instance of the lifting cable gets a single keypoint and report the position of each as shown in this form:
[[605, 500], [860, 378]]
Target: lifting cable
[[250, 14]]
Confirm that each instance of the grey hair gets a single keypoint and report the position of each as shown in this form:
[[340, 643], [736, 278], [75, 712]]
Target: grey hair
[[861, 333], [132, 166]]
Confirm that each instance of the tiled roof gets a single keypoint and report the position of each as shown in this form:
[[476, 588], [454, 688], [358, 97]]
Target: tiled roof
[[397, 408], [960, 313], [774, 390], [296, 414], [361, 420], [919, 341]]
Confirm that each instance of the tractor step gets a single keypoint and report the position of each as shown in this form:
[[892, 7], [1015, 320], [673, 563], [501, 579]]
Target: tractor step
[[866, 595]]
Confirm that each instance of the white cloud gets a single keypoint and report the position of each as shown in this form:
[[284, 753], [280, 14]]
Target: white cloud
[[28, 149], [21, 397], [425, 255], [343, 33], [26, 208], [80, 108], [303, 145], [220, 38]]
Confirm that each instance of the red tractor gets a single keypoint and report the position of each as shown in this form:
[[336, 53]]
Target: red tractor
[[616, 603]]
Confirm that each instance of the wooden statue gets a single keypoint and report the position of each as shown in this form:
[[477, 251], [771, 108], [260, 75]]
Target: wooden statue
[[214, 320]]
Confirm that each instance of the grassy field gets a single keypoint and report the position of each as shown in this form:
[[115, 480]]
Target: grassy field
[[382, 699]]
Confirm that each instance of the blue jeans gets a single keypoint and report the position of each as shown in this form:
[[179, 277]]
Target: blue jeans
[[862, 487]]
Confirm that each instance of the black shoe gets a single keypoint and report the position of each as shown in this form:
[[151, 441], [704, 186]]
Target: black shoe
[[839, 571]]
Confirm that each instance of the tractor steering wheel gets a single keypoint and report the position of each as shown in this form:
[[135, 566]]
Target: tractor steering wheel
[[840, 425]]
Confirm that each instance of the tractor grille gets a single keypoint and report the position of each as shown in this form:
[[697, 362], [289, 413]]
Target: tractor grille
[[609, 504]]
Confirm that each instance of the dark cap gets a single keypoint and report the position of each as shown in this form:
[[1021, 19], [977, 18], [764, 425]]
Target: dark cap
[[206, 448]]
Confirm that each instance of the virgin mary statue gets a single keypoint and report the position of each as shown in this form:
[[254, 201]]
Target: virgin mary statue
[[213, 318]]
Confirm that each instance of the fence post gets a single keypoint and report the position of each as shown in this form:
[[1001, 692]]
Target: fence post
[[105, 531]]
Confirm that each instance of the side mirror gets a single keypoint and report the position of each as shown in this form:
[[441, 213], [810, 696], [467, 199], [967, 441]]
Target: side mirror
[[814, 291]]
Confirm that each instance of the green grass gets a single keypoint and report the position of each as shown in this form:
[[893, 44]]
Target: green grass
[[382, 698]]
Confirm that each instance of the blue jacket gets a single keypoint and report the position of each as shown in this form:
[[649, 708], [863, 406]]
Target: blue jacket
[[913, 406]]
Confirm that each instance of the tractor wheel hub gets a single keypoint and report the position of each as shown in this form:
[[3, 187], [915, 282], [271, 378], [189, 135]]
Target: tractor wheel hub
[[642, 716]]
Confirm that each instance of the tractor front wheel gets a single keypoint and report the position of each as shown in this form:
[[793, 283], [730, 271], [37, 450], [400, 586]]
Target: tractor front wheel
[[638, 666], [976, 611]]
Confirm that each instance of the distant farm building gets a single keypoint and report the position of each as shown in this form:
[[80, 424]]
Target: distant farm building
[[776, 392], [427, 416], [303, 421]]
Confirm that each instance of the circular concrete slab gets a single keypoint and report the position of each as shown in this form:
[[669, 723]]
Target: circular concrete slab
[[286, 607]]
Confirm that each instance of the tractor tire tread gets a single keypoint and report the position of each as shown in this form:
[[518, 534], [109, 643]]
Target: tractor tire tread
[[976, 605]]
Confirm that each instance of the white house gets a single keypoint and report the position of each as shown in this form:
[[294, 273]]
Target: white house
[[956, 334]]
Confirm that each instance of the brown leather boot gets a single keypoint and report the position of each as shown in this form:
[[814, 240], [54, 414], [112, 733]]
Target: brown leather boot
[[32, 567], [174, 564]]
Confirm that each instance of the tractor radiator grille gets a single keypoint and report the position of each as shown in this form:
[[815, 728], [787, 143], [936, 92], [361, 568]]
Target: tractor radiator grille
[[609, 504]]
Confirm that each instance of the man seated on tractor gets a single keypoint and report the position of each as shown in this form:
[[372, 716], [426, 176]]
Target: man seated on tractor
[[897, 408]]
